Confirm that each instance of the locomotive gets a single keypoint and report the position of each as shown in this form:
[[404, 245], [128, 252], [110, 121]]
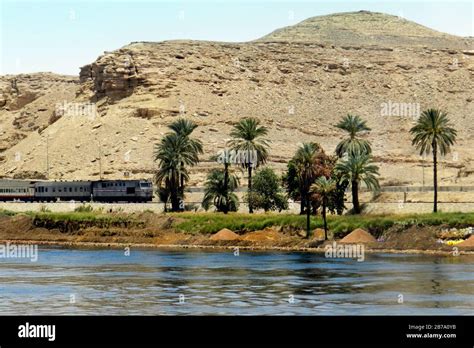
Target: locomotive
[[83, 191]]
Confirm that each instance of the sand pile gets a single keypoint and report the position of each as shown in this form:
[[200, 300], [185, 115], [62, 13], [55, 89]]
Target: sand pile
[[224, 234], [318, 234], [268, 234], [358, 236], [467, 243]]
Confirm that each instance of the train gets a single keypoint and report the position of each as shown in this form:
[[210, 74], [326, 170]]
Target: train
[[83, 191]]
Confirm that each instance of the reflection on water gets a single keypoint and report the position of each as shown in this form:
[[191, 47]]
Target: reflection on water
[[255, 283]]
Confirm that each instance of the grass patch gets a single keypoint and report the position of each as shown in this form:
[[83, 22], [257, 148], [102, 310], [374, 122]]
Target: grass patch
[[340, 225], [4, 212], [74, 221]]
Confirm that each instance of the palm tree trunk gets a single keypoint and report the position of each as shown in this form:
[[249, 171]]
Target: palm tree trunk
[[308, 213], [435, 176], [226, 187], [174, 192], [355, 196], [325, 222], [174, 200], [303, 202], [250, 189]]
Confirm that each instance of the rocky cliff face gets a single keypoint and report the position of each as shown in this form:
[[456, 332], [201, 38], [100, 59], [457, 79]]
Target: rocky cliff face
[[299, 88], [28, 104]]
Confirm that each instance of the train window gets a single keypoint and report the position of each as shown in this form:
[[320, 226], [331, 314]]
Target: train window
[[59, 189], [70, 189], [75, 189], [103, 185], [54, 190], [46, 189], [80, 189]]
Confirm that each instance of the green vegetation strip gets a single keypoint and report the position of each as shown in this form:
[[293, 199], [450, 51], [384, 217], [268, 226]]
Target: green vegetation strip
[[339, 225], [73, 221]]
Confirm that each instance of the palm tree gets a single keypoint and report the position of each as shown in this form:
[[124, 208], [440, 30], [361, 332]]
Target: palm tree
[[248, 138], [433, 133], [173, 153], [220, 194], [183, 128], [310, 162], [356, 169], [353, 125], [324, 187]]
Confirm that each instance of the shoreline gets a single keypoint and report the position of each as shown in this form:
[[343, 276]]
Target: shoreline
[[222, 248]]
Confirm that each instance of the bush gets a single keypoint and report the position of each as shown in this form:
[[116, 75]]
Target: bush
[[266, 192], [84, 209]]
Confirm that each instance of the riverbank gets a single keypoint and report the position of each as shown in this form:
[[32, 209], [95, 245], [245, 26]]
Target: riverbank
[[440, 233], [221, 248]]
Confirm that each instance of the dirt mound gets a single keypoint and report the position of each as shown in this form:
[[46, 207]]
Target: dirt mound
[[16, 224], [268, 234], [467, 243], [224, 234], [358, 236], [414, 237], [318, 234]]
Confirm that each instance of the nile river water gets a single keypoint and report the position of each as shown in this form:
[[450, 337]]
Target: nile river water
[[158, 282]]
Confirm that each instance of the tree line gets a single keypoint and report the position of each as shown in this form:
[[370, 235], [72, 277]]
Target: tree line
[[317, 179]]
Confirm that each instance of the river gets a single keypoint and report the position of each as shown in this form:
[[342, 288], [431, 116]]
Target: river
[[170, 282]]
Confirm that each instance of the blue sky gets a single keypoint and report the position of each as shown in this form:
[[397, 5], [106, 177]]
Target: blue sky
[[61, 36]]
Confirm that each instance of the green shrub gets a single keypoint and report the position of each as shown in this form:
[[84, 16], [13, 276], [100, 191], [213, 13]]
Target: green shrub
[[84, 208]]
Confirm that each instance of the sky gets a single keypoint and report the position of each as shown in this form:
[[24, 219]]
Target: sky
[[62, 35]]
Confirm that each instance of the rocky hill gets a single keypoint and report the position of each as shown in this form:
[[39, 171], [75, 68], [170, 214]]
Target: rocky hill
[[366, 28], [299, 81]]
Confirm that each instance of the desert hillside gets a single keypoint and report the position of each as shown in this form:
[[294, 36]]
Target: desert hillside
[[297, 80]]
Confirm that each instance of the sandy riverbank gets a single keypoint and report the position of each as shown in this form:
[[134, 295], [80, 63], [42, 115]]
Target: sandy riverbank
[[221, 248], [148, 230]]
